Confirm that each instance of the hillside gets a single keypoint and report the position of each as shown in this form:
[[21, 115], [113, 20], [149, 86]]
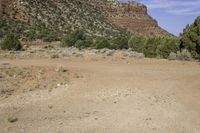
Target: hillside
[[98, 18]]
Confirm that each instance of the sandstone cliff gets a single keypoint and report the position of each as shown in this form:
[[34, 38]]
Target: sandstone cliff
[[134, 17]]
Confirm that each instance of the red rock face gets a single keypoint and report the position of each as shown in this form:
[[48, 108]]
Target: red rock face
[[134, 18]]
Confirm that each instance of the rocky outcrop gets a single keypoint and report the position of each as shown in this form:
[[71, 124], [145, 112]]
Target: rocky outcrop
[[98, 18], [134, 17]]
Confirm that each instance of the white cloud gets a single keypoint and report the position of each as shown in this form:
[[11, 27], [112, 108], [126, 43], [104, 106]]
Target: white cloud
[[177, 7]]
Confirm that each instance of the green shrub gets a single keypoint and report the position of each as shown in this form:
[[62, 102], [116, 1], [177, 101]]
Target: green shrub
[[72, 38], [119, 43], [150, 46], [79, 35], [81, 44], [102, 43], [167, 46], [10, 42], [68, 41], [137, 43]]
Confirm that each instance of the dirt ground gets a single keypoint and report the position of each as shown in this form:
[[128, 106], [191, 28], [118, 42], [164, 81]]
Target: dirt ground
[[99, 95]]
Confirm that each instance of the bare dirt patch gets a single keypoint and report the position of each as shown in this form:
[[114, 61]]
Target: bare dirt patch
[[15, 80], [100, 95]]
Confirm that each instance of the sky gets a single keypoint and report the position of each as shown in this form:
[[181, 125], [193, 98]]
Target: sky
[[173, 15]]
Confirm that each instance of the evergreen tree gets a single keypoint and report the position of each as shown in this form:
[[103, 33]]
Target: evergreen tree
[[190, 38]]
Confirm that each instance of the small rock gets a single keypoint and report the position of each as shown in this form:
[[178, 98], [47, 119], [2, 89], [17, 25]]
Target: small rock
[[32, 51], [58, 85], [48, 47], [54, 56], [25, 47], [50, 90], [104, 50], [50, 106], [31, 89], [148, 119], [109, 52], [12, 119], [60, 69], [77, 76], [6, 64], [37, 86], [66, 85]]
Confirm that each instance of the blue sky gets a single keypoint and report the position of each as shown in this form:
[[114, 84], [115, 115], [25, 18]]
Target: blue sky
[[173, 15]]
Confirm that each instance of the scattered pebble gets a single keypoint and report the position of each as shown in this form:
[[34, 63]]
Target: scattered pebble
[[12, 119], [54, 56], [5, 64], [58, 85], [50, 106]]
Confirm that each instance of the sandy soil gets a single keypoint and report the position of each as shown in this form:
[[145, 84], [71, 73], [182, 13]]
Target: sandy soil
[[107, 95]]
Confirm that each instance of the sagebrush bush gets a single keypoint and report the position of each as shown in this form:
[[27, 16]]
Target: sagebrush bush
[[137, 43], [184, 55], [10, 42], [172, 56]]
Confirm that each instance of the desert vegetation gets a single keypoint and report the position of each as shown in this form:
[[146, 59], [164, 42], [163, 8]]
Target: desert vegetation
[[187, 44], [10, 42], [152, 47]]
